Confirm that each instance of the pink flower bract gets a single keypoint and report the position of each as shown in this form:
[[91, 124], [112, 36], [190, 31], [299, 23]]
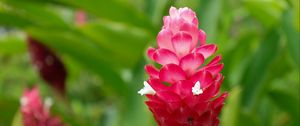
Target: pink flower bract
[[184, 91], [35, 112]]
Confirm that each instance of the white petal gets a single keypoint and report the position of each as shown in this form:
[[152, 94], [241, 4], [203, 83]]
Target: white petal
[[197, 89], [147, 89]]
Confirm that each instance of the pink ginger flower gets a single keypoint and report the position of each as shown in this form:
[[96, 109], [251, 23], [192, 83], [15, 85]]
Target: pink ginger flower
[[184, 91], [36, 113]]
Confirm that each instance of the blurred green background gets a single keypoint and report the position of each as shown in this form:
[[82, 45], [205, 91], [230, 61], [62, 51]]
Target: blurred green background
[[258, 39]]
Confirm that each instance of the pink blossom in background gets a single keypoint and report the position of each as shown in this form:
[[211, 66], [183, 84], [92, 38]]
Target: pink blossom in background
[[184, 91], [35, 112], [80, 17]]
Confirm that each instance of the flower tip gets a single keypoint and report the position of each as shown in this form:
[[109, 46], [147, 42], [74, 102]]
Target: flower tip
[[150, 52], [173, 11], [172, 8], [202, 37]]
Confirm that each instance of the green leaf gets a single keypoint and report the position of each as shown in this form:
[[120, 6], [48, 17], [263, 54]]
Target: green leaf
[[265, 111], [292, 37], [286, 100], [112, 10], [8, 108], [248, 119], [236, 58], [126, 43], [256, 72], [296, 14], [38, 13], [12, 45], [8, 19], [17, 120], [285, 94], [209, 14], [231, 110], [268, 12]]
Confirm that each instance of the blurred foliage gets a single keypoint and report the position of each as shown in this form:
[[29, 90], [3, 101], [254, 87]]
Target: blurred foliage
[[259, 41]]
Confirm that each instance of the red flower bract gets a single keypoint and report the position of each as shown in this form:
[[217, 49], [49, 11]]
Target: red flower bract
[[35, 112], [184, 91]]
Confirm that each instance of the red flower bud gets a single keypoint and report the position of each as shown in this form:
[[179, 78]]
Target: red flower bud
[[49, 66]]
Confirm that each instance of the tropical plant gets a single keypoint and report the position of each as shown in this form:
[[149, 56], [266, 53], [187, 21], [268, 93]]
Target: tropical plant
[[258, 39]]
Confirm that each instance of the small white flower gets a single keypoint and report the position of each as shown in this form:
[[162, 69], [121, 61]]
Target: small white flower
[[24, 101], [48, 102], [147, 89], [197, 89]]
